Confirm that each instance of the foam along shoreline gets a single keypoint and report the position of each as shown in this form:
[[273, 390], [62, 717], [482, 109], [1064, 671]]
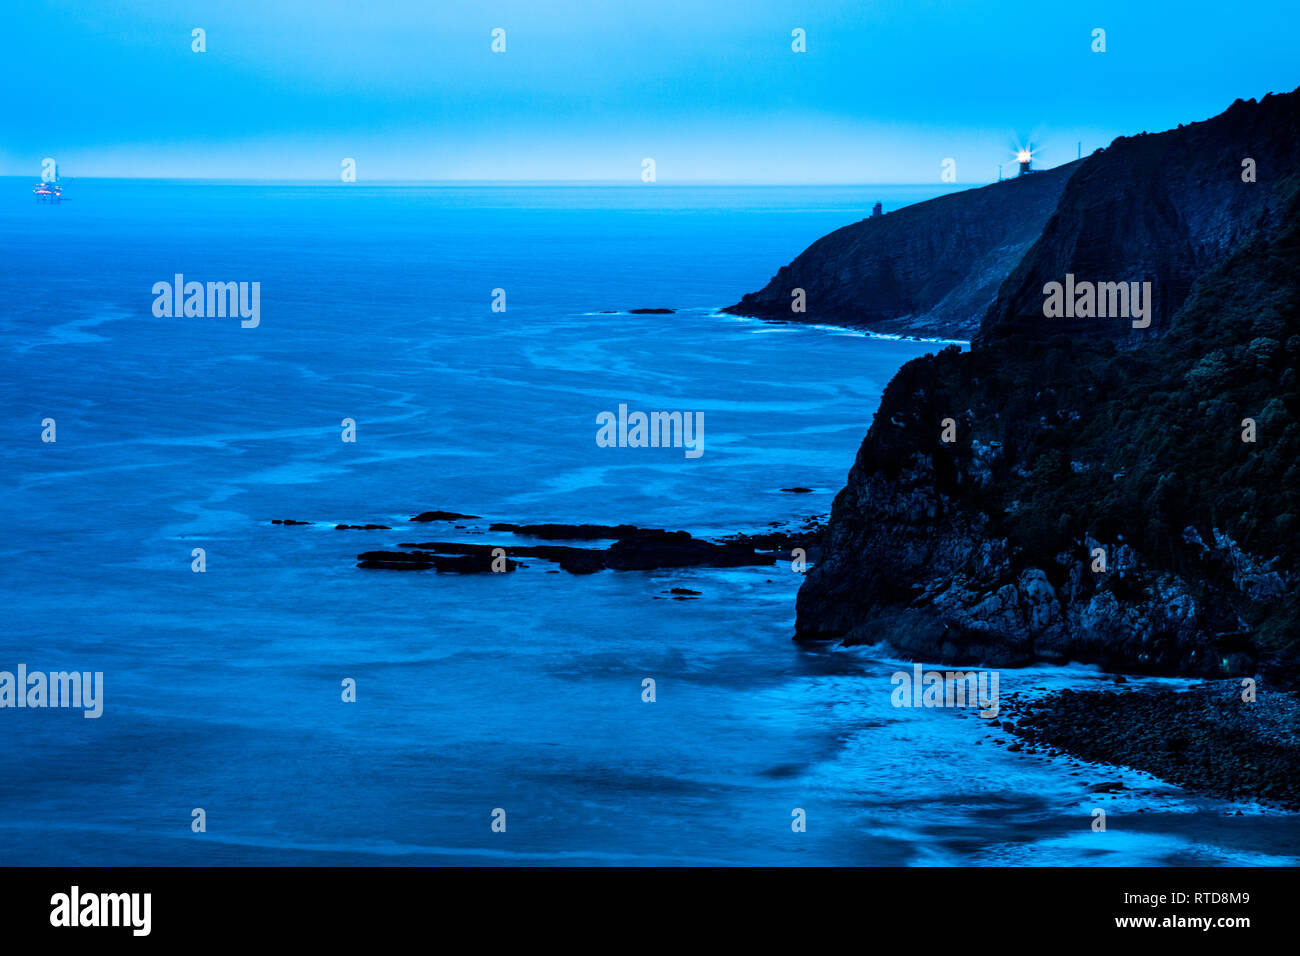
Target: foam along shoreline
[[845, 330], [720, 312]]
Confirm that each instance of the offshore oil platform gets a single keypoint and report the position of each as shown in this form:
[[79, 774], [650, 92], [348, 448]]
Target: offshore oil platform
[[49, 190]]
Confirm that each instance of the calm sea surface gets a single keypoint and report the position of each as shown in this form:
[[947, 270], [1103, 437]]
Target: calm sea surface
[[521, 692]]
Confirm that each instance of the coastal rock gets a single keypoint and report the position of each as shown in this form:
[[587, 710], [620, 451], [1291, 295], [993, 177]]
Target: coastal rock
[[395, 560], [1204, 738], [637, 549], [471, 562], [573, 560], [648, 550], [1252, 576], [1040, 605], [442, 516], [985, 550]]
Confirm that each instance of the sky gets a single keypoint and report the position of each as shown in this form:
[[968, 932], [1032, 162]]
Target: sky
[[711, 90]]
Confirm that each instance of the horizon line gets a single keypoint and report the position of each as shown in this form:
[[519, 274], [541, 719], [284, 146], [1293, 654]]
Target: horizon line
[[222, 180]]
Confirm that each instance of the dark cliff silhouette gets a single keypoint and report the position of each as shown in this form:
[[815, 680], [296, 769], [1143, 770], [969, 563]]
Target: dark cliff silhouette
[[1084, 438], [932, 268]]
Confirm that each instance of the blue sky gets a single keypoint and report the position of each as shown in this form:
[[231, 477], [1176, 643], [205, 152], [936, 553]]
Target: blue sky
[[712, 91]]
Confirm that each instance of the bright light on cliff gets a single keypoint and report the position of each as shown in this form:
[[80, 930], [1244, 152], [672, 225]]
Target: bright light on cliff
[[1023, 156]]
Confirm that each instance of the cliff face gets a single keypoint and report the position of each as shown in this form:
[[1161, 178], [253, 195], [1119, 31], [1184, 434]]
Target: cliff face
[[932, 268], [1099, 502], [1163, 207]]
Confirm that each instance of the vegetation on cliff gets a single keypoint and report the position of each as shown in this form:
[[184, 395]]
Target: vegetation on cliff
[[1145, 446], [1075, 438]]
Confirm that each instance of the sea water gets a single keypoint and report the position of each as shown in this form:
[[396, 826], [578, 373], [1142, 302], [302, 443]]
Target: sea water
[[520, 693]]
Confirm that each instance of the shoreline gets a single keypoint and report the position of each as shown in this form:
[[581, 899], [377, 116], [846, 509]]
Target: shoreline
[[856, 331], [860, 331], [1205, 739], [839, 329]]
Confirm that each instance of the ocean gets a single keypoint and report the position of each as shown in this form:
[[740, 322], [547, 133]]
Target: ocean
[[479, 698]]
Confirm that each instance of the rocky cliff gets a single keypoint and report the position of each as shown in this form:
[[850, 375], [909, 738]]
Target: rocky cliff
[[932, 268], [1113, 495], [1163, 207]]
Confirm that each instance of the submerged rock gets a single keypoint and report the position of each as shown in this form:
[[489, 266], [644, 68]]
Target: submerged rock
[[476, 562], [567, 532]]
